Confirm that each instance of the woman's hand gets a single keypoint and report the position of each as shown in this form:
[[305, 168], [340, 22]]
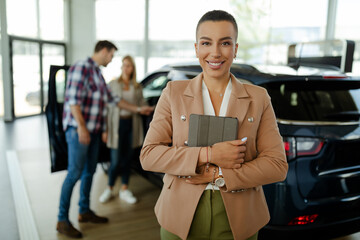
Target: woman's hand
[[104, 136], [204, 177], [229, 154], [146, 110]]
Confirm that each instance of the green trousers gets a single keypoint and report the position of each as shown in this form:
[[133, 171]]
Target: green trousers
[[210, 221]]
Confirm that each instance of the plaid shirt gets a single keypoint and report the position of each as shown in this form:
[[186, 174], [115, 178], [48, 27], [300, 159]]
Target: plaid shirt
[[87, 88]]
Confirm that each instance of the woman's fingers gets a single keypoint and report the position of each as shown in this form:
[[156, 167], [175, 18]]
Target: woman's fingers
[[238, 142], [229, 154]]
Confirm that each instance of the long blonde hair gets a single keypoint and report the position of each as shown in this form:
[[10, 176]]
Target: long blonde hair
[[133, 74]]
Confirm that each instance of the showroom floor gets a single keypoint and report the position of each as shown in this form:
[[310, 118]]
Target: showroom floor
[[25, 171], [133, 222], [37, 192]]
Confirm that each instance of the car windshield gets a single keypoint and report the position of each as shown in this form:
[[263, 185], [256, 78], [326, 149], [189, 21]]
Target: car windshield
[[316, 101]]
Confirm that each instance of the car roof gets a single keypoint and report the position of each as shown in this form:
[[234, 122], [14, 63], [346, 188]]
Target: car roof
[[262, 74]]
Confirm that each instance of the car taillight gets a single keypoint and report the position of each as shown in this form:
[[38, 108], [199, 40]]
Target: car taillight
[[302, 220], [301, 146], [335, 77], [290, 147]]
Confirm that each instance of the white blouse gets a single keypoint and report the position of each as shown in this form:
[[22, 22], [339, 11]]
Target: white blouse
[[128, 95], [209, 109]]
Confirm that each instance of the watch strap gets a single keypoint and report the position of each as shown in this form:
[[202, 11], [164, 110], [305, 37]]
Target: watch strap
[[220, 172]]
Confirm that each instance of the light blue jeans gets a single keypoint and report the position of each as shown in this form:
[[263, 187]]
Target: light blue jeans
[[82, 161]]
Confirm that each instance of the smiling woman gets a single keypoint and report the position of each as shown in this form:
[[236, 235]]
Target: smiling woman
[[211, 189]]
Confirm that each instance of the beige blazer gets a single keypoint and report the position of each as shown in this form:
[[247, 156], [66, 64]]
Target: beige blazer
[[113, 115], [164, 150]]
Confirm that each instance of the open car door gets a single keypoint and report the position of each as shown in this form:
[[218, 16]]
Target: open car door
[[54, 112]]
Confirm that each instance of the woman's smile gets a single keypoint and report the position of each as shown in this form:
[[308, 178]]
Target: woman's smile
[[215, 65]]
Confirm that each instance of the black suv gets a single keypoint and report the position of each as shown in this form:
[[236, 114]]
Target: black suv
[[318, 112]]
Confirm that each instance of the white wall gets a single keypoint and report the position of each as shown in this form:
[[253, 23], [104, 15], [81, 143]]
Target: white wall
[[81, 29], [8, 116]]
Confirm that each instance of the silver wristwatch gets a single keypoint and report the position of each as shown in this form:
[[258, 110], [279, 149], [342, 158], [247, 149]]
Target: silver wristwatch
[[220, 181]]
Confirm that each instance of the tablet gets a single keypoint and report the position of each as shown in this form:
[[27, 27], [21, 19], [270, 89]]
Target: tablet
[[205, 130]]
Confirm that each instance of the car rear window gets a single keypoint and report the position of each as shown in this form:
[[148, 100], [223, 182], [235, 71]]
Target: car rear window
[[328, 101]]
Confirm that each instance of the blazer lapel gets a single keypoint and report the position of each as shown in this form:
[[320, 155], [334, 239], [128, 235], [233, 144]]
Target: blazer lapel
[[239, 101], [193, 96]]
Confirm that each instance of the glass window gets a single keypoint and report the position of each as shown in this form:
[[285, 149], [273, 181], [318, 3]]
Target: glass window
[[122, 22], [265, 28], [288, 24], [315, 101], [172, 33], [153, 87], [297, 21], [51, 55], [272, 25], [51, 19], [22, 18], [26, 78], [356, 63], [42, 19], [60, 81], [158, 83], [347, 27]]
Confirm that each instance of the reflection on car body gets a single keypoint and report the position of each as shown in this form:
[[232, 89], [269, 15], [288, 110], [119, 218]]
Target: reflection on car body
[[318, 114]]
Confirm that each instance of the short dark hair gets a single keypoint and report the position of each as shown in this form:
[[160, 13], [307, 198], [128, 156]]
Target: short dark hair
[[104, 44], [217, 16]]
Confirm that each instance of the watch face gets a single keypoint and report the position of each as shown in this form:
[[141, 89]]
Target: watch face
[[220, 182]]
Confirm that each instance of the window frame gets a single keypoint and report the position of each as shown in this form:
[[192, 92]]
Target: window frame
[[41, 43]]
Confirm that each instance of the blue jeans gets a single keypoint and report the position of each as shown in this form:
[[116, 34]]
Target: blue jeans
[[121, 157], [82, 162]]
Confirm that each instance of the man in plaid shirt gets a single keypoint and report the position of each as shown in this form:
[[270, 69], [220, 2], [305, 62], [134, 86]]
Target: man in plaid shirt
[[84, 122]]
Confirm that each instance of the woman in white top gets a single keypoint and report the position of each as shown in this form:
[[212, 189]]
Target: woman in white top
[[124, 129]]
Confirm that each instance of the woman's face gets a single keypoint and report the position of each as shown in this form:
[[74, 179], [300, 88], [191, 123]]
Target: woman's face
[[216, 48], [127, 68]]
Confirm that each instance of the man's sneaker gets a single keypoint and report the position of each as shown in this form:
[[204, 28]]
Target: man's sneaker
[[127, 196], [91, 217], [66, 228], [106, 195]]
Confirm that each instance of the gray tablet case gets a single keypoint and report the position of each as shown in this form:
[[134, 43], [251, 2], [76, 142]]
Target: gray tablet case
[[207, 130]]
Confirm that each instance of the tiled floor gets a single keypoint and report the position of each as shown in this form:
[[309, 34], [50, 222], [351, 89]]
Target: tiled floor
[[28, 139]]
